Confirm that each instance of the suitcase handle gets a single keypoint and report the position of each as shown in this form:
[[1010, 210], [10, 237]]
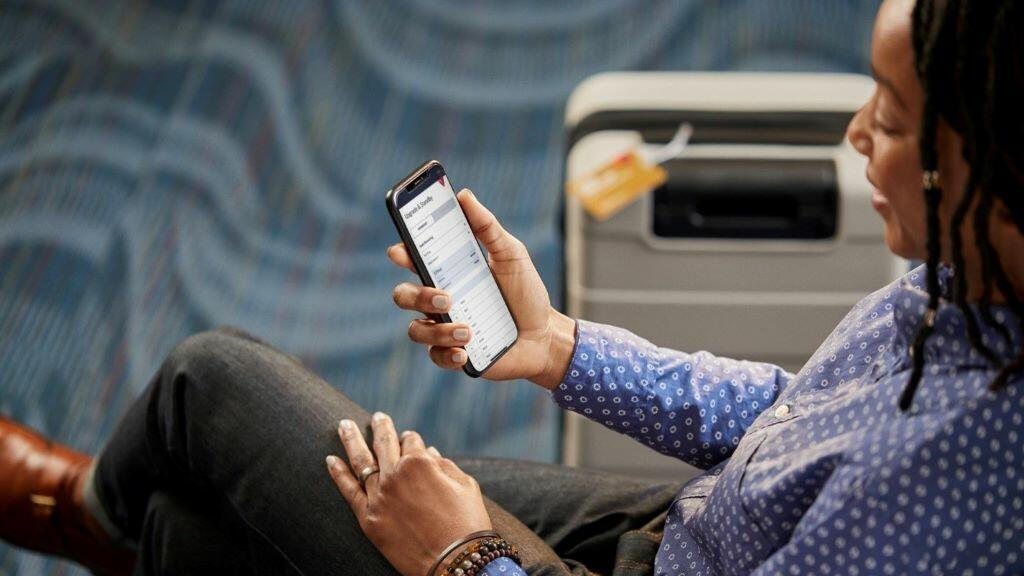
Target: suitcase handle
[[747, 199]]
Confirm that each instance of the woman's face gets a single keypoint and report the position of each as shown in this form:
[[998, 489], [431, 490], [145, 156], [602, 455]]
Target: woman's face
[[886, 130]]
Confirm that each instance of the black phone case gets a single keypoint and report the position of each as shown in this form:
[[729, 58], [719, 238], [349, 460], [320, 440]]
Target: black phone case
[[421, 269]]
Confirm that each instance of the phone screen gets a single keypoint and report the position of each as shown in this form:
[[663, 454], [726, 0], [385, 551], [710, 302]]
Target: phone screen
[[456, 264]]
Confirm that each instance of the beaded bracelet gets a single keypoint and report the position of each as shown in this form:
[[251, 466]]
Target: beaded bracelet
[[472, 560]]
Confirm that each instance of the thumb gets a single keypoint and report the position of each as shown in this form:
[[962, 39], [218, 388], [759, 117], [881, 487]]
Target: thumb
[[485, 226]]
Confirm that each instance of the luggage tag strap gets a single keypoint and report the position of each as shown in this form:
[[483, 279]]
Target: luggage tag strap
[[615, 184]]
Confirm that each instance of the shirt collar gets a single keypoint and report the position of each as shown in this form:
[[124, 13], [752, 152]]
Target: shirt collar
[[950, 343]]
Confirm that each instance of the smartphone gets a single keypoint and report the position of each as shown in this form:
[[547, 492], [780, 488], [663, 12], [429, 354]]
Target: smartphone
[[447, 256]]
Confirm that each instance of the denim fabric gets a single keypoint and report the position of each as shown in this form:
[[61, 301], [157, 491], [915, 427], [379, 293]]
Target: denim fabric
[[218, 467]]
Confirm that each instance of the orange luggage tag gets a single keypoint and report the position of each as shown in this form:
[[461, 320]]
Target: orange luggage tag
[[610, 188]]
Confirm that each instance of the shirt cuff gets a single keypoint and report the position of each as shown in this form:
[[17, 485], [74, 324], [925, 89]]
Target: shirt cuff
[[502, 566], [575, 349], [581, 368]]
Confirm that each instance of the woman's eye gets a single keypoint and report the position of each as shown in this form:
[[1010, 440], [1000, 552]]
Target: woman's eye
[[886, 129]]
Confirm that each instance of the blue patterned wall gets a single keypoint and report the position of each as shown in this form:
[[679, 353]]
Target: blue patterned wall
[[168, 166]]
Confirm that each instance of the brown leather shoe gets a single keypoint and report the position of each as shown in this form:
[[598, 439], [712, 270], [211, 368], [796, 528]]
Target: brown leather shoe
[[41, 505]]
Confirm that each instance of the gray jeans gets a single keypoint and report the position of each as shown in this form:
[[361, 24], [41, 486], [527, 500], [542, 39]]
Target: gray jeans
[[219, 468]]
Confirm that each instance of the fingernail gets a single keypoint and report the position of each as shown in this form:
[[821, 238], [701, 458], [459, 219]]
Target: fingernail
[[403, 434], [347, 425], [332, 462], [459, 357], [440, 302], [433, 451], [461, 333], [378, 416]]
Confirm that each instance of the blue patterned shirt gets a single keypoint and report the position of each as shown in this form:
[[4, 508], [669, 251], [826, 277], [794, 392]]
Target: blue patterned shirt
[[819, 472]]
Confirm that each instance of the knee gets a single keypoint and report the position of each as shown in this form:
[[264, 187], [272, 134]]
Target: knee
[[223, 336], [211, 346], [224, 357]]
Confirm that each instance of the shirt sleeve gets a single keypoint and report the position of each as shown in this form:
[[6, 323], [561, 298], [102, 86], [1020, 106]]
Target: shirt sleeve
[[502, 567], [949, 500], [694, 407]]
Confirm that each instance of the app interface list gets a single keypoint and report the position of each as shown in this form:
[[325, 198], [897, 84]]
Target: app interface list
[[456, 265]]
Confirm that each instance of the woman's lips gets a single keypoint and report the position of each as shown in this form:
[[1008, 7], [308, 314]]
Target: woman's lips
[[878, 200]]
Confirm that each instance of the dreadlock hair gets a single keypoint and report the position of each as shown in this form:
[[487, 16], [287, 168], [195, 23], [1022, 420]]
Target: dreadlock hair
[[969, 62]]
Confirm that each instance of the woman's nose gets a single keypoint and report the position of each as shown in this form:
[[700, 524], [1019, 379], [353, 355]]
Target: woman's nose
[[857, 133]]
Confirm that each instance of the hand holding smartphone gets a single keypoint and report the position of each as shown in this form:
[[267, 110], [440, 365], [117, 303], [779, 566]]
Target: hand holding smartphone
[[446, 255]]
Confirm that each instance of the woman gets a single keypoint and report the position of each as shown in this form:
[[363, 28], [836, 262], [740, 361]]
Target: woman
[[897, 448]]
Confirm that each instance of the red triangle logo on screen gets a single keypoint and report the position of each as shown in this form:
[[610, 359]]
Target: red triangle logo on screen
[[441, 180]]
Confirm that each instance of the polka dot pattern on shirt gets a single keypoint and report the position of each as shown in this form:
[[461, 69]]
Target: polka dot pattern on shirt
[[695, 407], [501, 566], [819, 472]]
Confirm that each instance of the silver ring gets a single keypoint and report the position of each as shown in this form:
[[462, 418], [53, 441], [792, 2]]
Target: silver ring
[[366, 473]]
